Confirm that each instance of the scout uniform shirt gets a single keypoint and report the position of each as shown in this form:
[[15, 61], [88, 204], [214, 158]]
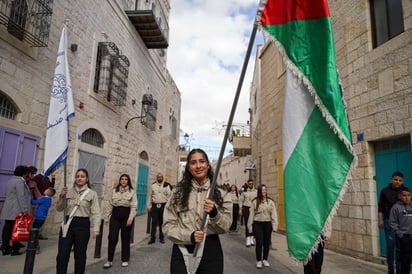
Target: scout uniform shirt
[[247, 197], [88, 207], [234, 197], [179, 224], [159, 193], [125, 197], [265, 213]]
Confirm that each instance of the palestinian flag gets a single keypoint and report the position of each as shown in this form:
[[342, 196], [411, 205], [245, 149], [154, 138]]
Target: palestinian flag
[[317, 147]]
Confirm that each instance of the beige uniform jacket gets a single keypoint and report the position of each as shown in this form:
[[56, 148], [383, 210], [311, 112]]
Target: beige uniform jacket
[[88, 207], [158, 194], [247, 197], [125, 197], [234, 197], [266, 212], [179, 224]]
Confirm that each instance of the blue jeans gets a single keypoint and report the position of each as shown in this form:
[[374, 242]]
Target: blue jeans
[[392, 243]]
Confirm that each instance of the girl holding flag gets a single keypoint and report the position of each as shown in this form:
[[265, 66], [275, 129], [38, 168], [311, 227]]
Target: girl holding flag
[[183, 215]]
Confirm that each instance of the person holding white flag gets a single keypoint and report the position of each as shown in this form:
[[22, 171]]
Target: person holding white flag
[[61, 109]]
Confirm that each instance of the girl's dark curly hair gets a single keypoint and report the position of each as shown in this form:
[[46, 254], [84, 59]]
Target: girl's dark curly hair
[[184, 187], [129, 182]]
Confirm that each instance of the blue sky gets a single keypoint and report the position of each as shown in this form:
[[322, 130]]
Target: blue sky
[[207, 46]]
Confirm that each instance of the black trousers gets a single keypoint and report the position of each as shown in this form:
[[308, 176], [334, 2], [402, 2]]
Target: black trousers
[[118, 222], [406, 253], [6, 237], [37, 224], [157, 220], [246, 213], [77, 237], [314, 266], [235, 214], [211, 262], [262, 232]]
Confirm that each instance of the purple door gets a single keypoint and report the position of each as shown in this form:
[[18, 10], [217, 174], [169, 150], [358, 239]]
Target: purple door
[[16, 148]]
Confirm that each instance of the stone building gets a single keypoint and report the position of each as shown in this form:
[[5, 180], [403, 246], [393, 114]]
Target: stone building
[[117, 61], [373, 42]]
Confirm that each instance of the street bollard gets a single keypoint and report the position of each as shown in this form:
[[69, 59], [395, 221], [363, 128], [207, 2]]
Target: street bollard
[[98, 247], [31, 251]]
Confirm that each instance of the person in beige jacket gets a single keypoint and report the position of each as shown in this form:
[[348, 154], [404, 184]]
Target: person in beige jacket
[[86, 216], [245, 203], [159, 193], [120, 210], [184, 212], [263, 220]]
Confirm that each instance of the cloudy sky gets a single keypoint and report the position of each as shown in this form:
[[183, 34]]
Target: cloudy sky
[[207, 46]]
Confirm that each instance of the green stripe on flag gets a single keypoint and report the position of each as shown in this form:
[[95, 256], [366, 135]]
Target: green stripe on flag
[[314, 176]]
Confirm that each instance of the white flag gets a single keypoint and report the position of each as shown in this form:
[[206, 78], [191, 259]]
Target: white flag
[[61, 109]]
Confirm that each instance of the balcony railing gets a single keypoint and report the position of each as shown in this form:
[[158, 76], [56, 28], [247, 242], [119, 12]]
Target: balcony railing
[[28, 21], [150, 23]]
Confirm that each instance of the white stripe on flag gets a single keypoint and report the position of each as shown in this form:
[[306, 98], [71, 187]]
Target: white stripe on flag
[[299, 104], [60, 110]]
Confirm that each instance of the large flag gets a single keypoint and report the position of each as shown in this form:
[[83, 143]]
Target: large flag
[[317, 147], [60, 110]]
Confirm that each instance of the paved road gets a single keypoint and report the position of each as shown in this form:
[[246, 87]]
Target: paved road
[[155, 259]]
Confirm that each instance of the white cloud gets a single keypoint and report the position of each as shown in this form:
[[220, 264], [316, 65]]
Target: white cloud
[[207, 46]]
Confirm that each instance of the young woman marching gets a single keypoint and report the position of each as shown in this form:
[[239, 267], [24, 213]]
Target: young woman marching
[[120, 210], [263, 219], [184, 212]]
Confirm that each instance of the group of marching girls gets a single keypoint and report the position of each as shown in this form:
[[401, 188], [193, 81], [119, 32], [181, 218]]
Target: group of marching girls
[[191, 203]]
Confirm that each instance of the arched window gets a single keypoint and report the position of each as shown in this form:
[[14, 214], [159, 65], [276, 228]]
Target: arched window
[[144, 156], [92, 137], [7, 110]]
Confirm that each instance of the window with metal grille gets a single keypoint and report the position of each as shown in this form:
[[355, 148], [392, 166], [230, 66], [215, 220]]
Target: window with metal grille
[[150, 121], [387, 20], [7, 110], [112, 70], [92, 137], [27, 20]]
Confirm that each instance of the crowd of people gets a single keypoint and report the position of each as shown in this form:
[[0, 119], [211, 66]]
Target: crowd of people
[[191, 214]]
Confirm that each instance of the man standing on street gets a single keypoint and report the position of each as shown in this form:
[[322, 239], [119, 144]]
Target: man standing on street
[[245, 202], [388, 197], [159, 193]]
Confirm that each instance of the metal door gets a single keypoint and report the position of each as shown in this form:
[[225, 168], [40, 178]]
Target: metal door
[[390, 156], [141, 187], [95, 165]]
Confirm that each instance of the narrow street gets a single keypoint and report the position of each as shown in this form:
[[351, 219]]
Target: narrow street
[[155, 259]]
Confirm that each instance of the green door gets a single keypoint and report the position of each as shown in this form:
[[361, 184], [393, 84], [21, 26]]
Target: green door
[[141, 188], [390, 156]]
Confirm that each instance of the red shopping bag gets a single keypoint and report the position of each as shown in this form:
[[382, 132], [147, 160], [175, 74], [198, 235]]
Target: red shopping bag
[[21, 229]]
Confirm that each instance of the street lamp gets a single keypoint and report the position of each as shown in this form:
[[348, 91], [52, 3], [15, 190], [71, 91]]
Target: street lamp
[[147, 102]]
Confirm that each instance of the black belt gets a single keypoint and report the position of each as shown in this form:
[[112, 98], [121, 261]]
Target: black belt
[[158, 205]]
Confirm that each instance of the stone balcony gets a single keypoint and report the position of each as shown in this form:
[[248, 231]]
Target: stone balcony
[[242, 145]]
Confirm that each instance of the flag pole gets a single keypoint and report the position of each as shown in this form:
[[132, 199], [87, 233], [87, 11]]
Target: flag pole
[[232, 112]]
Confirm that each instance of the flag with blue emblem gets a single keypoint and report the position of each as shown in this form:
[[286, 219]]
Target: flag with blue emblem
[[60, 110]]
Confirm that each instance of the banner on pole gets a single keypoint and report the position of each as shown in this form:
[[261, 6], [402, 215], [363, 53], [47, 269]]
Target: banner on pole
[[61, 109]]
